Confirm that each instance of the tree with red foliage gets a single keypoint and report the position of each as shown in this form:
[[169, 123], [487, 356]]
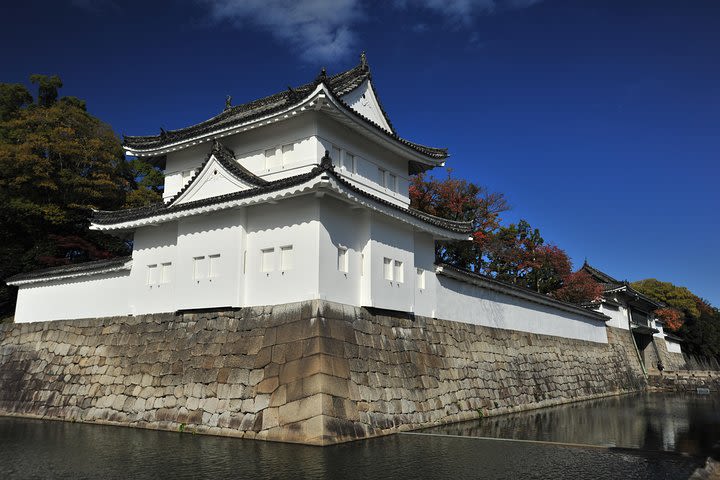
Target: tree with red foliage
[[460, 200], [578, 287], [671, 317]]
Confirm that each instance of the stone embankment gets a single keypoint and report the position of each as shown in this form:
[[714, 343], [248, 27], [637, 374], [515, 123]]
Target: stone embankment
[[686, 381], [312, 372]]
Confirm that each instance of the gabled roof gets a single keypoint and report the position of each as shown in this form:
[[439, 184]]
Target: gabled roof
[[72, 270], [106, 219], [226, 158], [337, 85]]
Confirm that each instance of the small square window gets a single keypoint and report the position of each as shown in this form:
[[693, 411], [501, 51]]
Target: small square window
[[199, 268], [420, 278], [350, 163], [388, 268], [381, 177], [399, 271], [267, 263], [165, 272], [214, 270], [286, 258], [342, 258]]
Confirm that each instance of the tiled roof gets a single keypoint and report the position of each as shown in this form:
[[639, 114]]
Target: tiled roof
[[610, 284], [326, 166], [343, 82], [75, 268], [338, 85]]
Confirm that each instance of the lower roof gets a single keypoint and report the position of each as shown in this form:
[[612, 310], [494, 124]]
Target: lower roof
[[72, 270]]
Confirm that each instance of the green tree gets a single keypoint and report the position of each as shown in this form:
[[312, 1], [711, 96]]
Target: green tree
[[676, 297], [57, 164]]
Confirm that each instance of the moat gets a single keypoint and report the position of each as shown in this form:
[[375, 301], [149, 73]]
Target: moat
[[642, 436]]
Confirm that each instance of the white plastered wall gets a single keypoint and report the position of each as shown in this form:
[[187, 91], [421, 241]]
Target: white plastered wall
[[102, 295], [342, 228], [425, 298], [392, 240], [153, 246], [217, 281], [292, 222], [673, 347], [369, 157], [460, 301]]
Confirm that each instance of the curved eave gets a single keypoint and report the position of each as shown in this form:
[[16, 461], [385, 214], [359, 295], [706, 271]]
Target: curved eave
[[324, 181], [321, 99]]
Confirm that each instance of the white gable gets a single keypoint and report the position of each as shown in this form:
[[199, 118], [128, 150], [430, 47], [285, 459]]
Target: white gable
[[214, 180], [364, 101]]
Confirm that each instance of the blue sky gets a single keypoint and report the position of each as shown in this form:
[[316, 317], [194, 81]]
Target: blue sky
[[598, 119]]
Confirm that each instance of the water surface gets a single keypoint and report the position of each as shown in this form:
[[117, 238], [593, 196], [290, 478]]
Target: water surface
[[47, 449]]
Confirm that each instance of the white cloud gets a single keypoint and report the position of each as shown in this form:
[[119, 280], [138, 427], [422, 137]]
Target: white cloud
[[321, 30], [324, 30]]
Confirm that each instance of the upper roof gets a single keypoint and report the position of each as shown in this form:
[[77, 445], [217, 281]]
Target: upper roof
[[128, 218], [610, 285], [337, 86]]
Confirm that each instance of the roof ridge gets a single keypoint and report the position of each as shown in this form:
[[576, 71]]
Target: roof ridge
[[69, 268]]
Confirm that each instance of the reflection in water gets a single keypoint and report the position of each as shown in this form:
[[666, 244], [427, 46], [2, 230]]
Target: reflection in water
[[46, 449], [671, 422]]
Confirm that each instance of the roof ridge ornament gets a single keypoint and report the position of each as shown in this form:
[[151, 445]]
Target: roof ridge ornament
[[326, 161], [363, 61], [322, 76], [228, 103]]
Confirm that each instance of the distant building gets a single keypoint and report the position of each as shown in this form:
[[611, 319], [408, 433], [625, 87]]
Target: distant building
[[631, 310], [300, 195]]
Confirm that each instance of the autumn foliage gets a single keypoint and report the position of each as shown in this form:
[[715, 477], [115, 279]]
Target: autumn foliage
[[672, 318], [578, 287]]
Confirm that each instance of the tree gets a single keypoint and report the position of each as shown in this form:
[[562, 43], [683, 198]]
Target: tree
[[578, 287], [57, 163], [671, 317], [679, 298], [460, 200]]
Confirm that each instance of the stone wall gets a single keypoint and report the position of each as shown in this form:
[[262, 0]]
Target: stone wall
[[672, 362], [312, 372], [687, 381]]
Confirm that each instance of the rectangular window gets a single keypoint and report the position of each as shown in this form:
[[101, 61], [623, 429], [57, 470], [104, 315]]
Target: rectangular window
[[287, 153], [165, 272], [388, 268], [186, 176], [214, 270], [350, 162], [286, 258], [335, 155], [151, 278], [420, 278], [271, 158], [342, 258], [399, 271], [244, 266], [267, 263], [198, 268], [381, 177], [392, 182], [362, 264]]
